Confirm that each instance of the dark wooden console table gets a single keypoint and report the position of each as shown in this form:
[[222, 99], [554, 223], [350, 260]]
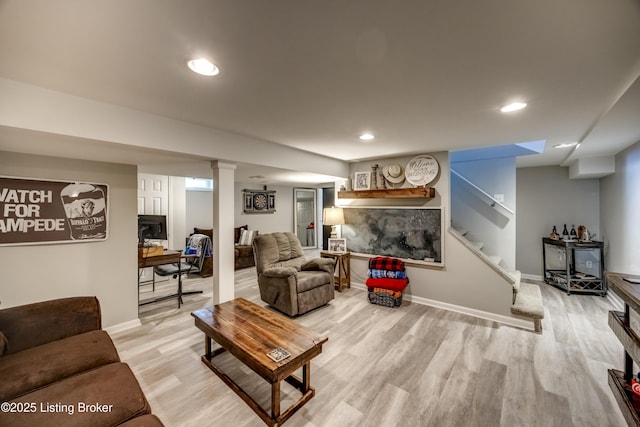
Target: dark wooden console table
[[249, 332], [628, 288]]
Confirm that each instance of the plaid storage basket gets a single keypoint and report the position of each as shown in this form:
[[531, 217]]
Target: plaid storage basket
[[384, 298]]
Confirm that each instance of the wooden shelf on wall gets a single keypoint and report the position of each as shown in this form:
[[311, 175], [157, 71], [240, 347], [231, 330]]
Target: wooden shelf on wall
[[390, 193], [620, 322]]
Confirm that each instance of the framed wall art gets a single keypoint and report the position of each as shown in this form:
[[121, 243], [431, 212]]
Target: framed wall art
[[362, 181], [337, 245], [406, 233], [41, 211]]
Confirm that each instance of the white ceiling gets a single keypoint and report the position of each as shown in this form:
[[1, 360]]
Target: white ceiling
[[422, 76]]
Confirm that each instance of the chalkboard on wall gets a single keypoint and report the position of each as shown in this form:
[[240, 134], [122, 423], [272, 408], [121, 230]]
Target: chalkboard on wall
[[410, 233]]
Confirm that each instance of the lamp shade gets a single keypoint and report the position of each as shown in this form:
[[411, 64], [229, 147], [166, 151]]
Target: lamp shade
[[333, 216]]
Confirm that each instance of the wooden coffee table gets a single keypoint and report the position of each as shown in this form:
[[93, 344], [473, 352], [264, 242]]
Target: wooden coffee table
[[249, 332]]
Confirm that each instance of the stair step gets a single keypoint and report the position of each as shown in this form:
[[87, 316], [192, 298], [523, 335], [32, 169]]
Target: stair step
[[495, 259], [517, 277], [478, 245], [528, 303]]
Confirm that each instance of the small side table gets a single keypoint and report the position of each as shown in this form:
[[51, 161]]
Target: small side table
[[342, 267]]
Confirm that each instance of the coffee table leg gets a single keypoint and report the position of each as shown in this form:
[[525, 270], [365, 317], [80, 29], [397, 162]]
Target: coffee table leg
[[275, 400], [207, 347], [306, 377]]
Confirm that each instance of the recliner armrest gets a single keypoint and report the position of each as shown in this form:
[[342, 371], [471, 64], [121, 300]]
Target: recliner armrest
[[323, 264], [30, 325], [279, 272]]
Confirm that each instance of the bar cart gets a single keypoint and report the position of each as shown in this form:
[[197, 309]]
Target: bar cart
[[574, 266]]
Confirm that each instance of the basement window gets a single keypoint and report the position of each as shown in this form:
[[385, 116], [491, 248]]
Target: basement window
[[198, 184]]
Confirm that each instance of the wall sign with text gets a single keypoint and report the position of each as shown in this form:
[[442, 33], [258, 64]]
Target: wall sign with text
[[34, 211]]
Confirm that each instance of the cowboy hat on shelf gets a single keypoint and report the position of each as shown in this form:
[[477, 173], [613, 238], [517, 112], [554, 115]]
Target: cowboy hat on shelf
[[393, 173]]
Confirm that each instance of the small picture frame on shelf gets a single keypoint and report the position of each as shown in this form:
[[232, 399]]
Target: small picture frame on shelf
[[337, 245], [362, 181]]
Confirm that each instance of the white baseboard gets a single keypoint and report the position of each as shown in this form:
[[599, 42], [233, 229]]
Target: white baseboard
[[123, 326], [505, 320], [532, 277]]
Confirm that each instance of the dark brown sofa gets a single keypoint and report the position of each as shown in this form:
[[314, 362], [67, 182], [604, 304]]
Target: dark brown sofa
[[58, 367], [243, 254]]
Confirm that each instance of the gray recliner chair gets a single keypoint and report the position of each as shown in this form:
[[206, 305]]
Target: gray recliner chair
[[287, 281]]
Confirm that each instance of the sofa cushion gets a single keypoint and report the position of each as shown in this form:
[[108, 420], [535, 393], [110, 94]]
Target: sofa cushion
[[27, 370], [105, 396], [292, 263], [247, 236], [39, 323], [275, 248], [308, 280], [4, 343], [237, 231], [288, 246]]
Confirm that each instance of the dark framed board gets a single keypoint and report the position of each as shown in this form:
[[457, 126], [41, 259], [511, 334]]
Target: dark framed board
[[259, 201], [406, 233]]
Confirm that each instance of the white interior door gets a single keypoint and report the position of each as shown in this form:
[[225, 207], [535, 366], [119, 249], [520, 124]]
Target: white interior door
[[153, 199], [153, 194]]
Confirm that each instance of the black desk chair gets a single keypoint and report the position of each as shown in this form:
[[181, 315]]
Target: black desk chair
[[198, 248]]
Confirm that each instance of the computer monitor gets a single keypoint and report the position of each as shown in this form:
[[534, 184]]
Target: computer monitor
[[152, 227]]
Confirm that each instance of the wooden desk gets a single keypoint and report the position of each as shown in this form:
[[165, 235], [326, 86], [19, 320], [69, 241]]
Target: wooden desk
[[342, 267], [168, 257], [249, 332]]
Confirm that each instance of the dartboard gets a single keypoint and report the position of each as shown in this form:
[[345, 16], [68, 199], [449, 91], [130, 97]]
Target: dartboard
[[260, 201]]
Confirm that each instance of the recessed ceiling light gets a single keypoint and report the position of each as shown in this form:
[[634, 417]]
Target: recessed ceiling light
[[566, 145], [367, 137], [514, 106], [203, 66]]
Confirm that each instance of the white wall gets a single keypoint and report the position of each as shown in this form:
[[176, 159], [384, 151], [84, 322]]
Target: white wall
[[280, 220], [547, 197], [106, 269], [198, 209], [493, 226], [620, 213], [177, 210]]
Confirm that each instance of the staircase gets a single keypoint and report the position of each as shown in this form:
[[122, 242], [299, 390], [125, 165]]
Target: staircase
[[483, 193], [527, 299]]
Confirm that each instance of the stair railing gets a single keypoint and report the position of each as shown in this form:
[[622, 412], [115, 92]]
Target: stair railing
[[492, 200]]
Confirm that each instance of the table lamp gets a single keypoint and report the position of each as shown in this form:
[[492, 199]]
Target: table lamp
[[333, 217]]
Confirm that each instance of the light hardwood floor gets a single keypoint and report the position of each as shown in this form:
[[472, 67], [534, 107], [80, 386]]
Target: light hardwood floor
[[409, 366]]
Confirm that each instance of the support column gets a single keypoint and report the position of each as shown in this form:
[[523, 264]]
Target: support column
[[223, 222]]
